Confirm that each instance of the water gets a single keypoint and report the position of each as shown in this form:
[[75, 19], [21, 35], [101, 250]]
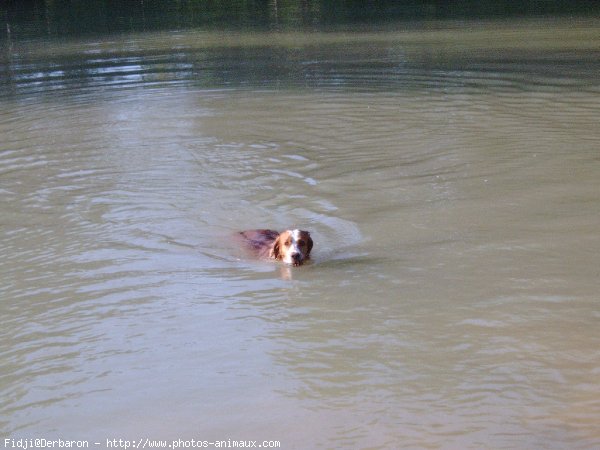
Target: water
[[450, 179]]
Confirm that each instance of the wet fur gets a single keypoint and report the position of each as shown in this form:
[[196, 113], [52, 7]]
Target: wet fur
[[290, 246]]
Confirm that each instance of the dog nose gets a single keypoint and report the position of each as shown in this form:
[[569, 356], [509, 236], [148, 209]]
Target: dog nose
[[295, 256]]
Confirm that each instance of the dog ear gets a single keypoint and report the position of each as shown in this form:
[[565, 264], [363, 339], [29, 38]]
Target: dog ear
[[276, 250], [309, 244]]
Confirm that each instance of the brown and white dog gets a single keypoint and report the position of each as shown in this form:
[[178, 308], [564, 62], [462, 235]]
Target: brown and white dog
[[290, 246]]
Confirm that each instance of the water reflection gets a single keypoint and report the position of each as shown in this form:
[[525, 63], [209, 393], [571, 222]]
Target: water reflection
[[248, 60], [42, 17]]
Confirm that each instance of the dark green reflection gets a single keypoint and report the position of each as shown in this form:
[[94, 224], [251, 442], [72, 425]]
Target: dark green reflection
[[30, 18]]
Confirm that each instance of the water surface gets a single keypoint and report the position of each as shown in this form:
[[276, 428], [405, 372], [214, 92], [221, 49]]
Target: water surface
[[450, 179]]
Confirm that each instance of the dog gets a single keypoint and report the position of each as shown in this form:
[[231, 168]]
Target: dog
[[290, 246]]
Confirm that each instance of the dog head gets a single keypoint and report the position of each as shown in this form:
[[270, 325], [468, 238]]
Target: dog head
[[292, 247]]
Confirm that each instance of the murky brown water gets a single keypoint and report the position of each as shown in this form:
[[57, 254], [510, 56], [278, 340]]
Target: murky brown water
[[450, 179]]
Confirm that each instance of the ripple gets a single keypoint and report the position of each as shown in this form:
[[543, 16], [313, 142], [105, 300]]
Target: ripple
[[384, 61]]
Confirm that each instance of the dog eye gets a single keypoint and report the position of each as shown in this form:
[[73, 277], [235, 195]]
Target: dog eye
[[301, 243]]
